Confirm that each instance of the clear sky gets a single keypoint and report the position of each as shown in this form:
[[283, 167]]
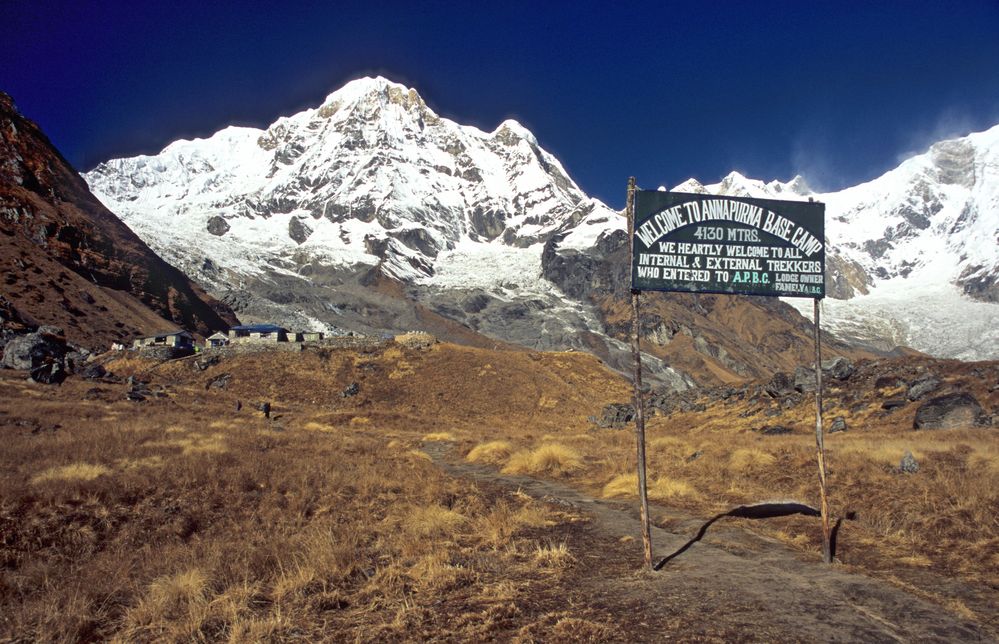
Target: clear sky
[[837, 91]]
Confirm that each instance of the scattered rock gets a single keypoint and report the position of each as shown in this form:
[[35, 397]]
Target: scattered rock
[[616, 415], [790, 401], [693, 457], [265, 407], [893, 403], [351, 390], [92, 371], [666, 403], [76, 357], [50, 373], [908, 464], [780, 385], [217, 226], [299, 229], [888, 382], [204, 363], [925, 385], [239, 405], [839, 368], [96, 393], [139, 390], [775, 430], [30, 350], [804, 379], [838, 425], [220, 381], [950, 411]]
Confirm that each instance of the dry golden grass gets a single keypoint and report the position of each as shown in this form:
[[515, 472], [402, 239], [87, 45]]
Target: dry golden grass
[[432, 521], [197, 523], [313, 426], [882, 450], [218, 526], [193, 443], [551, 458], [553, 556], [439, 436], [492, 453], [659, 488], [747, 458], [72, 472], [506, 519], [173, 606], [133, 463], [437, 572]]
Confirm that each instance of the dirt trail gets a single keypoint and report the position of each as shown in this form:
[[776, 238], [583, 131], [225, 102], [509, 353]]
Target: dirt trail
[[731, 584]]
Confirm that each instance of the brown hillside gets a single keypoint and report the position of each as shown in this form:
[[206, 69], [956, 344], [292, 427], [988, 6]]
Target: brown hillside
[[444, 385], [723, 339], [66, 260], [716, 339]]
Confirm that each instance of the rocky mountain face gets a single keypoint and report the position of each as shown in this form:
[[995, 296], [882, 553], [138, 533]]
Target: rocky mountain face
[[69, 262], [370, 212]]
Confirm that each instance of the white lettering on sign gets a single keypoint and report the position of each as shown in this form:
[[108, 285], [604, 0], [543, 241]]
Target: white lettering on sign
[[692, 212]]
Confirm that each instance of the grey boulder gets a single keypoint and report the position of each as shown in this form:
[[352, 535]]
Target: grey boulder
[[31, 350], [950, 412]]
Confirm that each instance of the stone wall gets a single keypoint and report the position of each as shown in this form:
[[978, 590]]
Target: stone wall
[[331, 342]]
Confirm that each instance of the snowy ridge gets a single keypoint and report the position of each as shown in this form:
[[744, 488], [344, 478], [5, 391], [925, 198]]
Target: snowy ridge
[[372, 176]]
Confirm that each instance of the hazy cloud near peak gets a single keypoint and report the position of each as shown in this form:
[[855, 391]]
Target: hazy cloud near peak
[[952, 123], [810, 158]]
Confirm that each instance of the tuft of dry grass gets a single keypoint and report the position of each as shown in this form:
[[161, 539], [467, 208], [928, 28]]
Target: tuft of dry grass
[[72, 472], [506, 520], [314, 426], [493, 453], [436, 572], [194, 443], [553, 556], [550, 458], [419, 454], [432, 521], [439, 437], [747, 458], [659, 488]]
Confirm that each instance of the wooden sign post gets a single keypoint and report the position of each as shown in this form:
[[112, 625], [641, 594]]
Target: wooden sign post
[[820, 449], [703, 243], [636, 352]]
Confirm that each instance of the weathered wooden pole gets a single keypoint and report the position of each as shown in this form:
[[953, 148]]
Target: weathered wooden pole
[[819, 441], [636, 353]]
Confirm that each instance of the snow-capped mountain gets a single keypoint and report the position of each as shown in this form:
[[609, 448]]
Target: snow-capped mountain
[[300, 224], [372, 176], [914, 254], [296, 223]]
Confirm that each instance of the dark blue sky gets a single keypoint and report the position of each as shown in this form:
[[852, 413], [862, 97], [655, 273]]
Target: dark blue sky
[[838, 91]]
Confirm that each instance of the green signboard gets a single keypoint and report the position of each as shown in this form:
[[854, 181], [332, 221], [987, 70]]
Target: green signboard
[[699, 243]]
